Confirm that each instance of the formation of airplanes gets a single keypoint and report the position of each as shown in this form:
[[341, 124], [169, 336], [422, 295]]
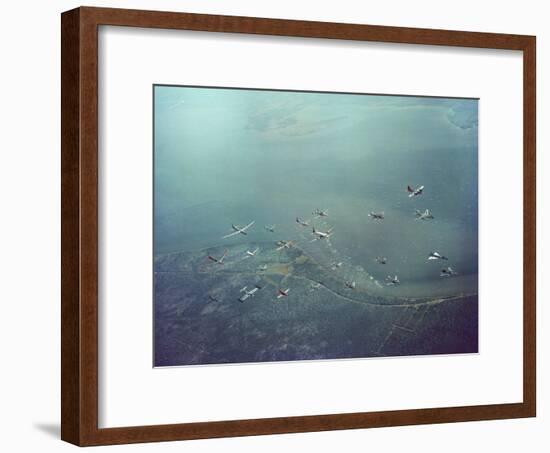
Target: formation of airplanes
[[320, 235], [249, 293]]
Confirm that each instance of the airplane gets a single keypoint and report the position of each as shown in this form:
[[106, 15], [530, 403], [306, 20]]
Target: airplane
[[253, 253], [415, 192], [426, 215], [262, 267], [212, 298], [283, 293], [322, 234], [302, 222], [392, 280], [336, 265], [284, 245], [239, 230], [350, 284], [377, 215], [270, 228], [315, 286], [320, 213], [218, 260], [381, 260], [248, 293], [437, 256], [447, 272]]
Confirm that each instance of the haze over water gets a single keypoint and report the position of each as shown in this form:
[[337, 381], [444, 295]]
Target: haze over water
[[226, 156]]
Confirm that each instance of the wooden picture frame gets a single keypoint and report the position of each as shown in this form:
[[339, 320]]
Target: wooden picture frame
[[79, 170]]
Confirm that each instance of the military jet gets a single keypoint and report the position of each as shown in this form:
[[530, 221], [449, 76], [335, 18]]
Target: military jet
[[320, 213], [376, 215], [336, 265], [447, 272], [426, 215], [415, 192], [437, 256], [262, 267], [284, 245], [248, 293], [212, 298], [253, 253], [392, 280], [322, 234], [381, 260], [350, 284], [218, 260], [302, 222], [283, 293], [270, 228], [238, 230]]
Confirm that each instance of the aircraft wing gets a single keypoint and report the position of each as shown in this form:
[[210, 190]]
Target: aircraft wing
[[248, 226], [231, 234]]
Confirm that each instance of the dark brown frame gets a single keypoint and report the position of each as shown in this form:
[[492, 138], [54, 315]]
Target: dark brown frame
[[79, 216]]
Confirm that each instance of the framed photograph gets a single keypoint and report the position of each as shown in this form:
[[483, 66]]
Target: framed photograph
[[277, 226]]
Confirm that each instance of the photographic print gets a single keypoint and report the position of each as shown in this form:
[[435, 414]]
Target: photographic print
[[295, 225]]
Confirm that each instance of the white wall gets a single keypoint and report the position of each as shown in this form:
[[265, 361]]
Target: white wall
[[29, 239]]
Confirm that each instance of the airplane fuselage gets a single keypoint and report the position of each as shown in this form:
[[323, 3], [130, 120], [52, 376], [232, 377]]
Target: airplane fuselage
[[322, 234], [415, 192], [283, 293]]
